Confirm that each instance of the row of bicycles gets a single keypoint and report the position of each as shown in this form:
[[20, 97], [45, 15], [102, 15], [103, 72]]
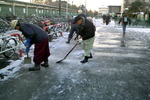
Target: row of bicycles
[[9, 42]]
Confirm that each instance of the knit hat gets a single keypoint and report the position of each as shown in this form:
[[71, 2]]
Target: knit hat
[[79, 11], [13, 23]]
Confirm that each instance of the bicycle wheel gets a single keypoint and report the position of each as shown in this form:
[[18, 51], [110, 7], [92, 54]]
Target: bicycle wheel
[[10, 43]]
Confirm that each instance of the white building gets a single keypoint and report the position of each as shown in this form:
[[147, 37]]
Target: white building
[[103, 10]]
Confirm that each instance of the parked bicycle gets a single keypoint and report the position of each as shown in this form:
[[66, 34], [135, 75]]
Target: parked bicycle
[[8, 45], [4, 26]]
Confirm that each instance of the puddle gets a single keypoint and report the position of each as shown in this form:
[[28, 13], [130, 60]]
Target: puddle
[[2, 76], [6, 61], [3, 63], [129, 55], [110, 41], [123, 44], [105, 45]]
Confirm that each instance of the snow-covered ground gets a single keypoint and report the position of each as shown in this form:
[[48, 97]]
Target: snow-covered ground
[[15, 65]]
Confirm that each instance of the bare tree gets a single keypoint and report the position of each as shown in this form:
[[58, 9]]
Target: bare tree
[[42, 1]]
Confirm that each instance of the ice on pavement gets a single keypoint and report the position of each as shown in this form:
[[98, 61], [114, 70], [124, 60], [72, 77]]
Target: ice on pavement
[[16, 65]]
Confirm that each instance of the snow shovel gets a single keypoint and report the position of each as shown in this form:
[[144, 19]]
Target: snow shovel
[[27, 60], [67, 54]]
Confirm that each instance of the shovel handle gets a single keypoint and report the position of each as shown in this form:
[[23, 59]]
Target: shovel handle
[[27, 54]]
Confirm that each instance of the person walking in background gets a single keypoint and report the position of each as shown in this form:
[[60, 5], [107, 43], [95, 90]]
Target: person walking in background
[[115, 18], [125, 21], [104, 18], [87, 33], [80, 13], [107, 19], [34, 35], [74, 26]]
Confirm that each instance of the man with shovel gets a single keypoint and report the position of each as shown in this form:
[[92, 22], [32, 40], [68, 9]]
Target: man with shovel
[[87, 33], [74, 27], [34, 35]]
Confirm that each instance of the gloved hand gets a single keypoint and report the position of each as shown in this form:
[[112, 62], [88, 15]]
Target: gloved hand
[[27, 49], [27, 43], [79, 40]]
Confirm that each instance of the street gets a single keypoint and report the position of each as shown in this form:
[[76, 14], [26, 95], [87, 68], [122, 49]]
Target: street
[[119, 70]]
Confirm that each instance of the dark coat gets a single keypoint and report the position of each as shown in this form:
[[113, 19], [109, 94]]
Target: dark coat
[[104, 17], [125, 23], [33, 32], [107, 18], [87, 30]]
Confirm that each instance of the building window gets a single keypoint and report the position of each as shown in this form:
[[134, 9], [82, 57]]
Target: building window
[[24, 10], [10, 10], [53, 12]]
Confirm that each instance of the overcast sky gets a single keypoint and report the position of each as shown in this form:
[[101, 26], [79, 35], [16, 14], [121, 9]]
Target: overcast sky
[[91, 4]]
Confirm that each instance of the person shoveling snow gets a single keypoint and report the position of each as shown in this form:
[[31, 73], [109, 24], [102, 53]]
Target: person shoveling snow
[[37, 36]]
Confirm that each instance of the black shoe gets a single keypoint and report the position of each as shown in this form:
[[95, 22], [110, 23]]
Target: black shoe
[[68, 42], [34, 69], [90, 55], [84, 60], [44, 65]]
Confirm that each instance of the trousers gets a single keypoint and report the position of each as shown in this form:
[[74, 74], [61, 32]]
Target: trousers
[[88, 46], [124, 29]]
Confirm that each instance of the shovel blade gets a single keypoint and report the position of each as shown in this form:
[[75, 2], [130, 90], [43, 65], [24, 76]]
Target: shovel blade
[[60, 61], [27, 60]]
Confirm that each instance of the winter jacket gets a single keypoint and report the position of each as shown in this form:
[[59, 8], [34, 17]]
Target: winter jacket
[[104, 17], [87, 30], [107, 18], [33, 32], [122, 20]]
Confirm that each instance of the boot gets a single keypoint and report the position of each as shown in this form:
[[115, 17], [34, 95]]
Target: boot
[[85, 60], [90, 55], [36, 67], [45, 64], [68, 40]]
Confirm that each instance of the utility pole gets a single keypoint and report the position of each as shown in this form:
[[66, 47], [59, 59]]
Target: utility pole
[[85, 7], [67, 9], [59, 7], [148, 17]]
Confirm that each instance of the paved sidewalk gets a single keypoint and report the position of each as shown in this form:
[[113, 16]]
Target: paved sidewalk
[[119, 71]]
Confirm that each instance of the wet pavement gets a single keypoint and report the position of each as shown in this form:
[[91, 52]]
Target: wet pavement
[[119, 71], [5, 61]]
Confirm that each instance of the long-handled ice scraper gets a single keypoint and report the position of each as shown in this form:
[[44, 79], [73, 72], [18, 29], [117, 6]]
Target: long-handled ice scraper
[[67, 53]]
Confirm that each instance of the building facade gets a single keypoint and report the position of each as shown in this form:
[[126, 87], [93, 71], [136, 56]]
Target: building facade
[[103, 10], [114, 9]]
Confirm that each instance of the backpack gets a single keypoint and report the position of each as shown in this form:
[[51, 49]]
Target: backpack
[[125, 19]]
